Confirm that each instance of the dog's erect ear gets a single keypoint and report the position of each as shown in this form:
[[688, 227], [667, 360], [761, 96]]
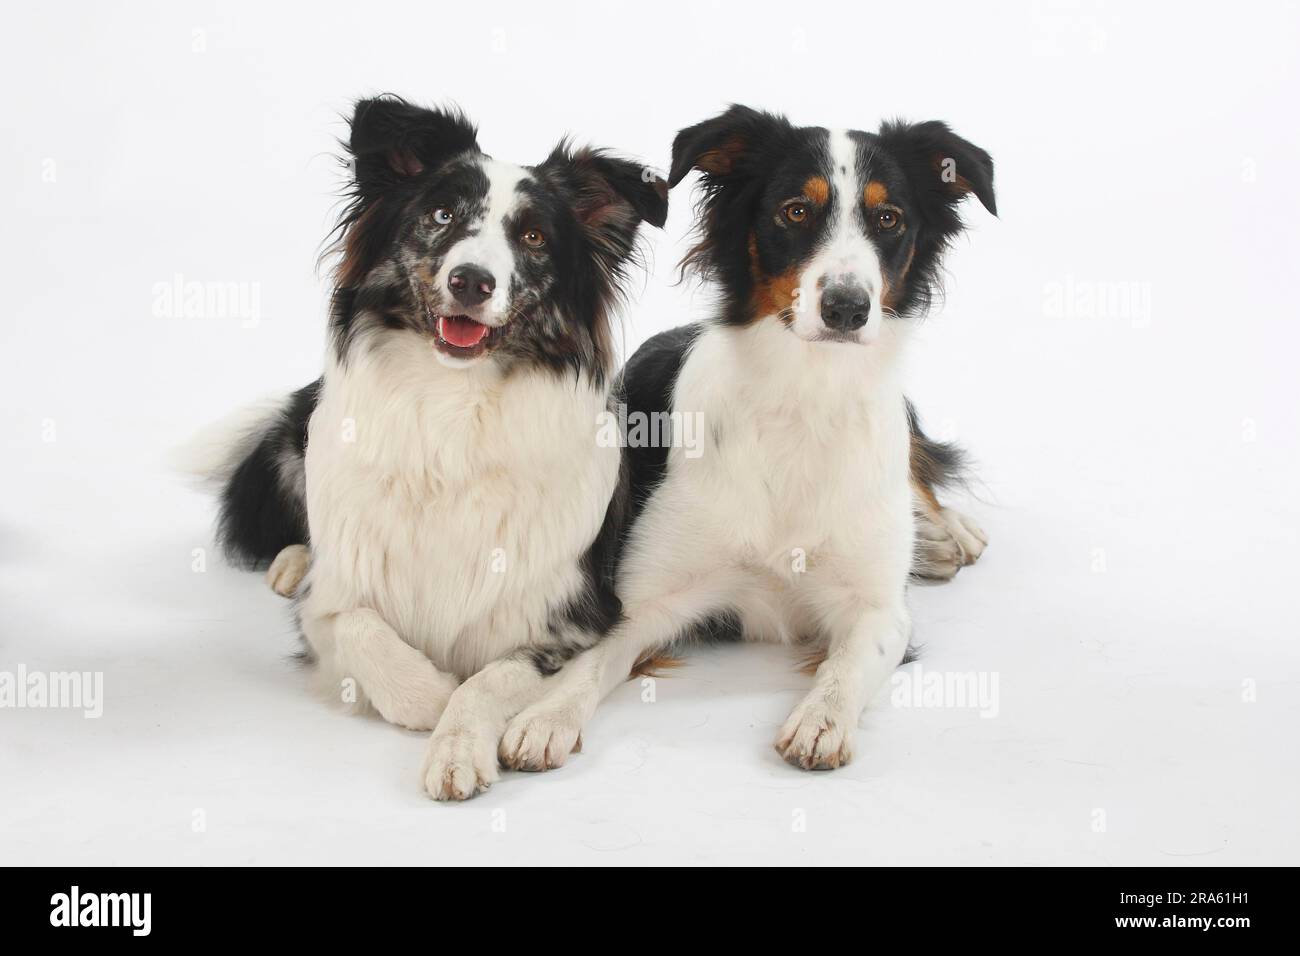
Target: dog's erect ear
[[391, 144], [393, 141], [605, 182], [726, 145], [942, 167], [609, 196]]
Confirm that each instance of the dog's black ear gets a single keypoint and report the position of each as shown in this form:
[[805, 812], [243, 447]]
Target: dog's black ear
[[605, 181], [726, 146], [942, 167], [393, 141], [391, 144], [609, 196]]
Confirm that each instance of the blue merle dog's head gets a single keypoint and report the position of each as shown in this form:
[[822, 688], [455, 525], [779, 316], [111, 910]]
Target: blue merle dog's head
[[481, 259]]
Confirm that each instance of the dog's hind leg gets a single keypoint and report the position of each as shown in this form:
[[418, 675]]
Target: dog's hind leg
[[288, 569], [946, 539]]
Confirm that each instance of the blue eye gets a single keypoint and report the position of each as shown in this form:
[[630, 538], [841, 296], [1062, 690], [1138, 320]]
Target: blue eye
[[443, 216]]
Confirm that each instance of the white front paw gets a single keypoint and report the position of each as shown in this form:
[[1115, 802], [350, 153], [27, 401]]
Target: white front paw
[[817, 736], [541, 739], [460, 763]]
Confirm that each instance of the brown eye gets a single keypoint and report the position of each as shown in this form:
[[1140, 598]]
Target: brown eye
[[796, 212], [534, 239], [887, 219]]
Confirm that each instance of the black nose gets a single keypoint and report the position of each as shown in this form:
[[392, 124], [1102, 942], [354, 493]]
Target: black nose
[[471, 285], [845, 308]]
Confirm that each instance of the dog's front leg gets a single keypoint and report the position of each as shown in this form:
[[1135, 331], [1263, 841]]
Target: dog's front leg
[[542, 736], [820, 731], [399, 681], [461, 758]]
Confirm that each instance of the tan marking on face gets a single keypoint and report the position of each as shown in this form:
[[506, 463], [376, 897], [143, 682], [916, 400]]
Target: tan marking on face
[[888, 298], [773, 295], [875, 194], [817, 189]]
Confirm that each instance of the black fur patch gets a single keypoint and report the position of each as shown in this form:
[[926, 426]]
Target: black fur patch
[[935, 464], [646, 386], [263, 506], [587, 617], [720, 627]]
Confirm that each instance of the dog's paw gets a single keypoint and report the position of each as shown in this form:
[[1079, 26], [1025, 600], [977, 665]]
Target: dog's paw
[[817, 736], [969, 535], [946, 542], [460, 763], [540, 739], [288, 569], [939, 555]]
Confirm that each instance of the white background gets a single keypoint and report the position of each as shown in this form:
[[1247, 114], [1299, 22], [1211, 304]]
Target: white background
[[1137, 458]]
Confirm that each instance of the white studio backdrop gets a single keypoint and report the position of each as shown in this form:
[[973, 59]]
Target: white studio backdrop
[[1118, 351]]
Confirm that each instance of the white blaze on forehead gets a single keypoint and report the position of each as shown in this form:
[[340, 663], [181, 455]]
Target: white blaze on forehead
[[845, 252], [492, 247]]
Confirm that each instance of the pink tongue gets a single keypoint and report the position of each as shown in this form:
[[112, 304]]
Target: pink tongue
[[462, 332]]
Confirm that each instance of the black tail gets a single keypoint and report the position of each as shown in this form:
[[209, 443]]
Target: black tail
[[935, 464], [264, 502]]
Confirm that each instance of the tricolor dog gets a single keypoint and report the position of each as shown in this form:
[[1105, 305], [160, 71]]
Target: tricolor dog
[[797, 522]]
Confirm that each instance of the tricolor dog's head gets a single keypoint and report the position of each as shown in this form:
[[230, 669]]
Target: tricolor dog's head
[[483, 259], [825, 231]]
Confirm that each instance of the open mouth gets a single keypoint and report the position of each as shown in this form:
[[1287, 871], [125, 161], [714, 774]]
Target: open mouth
[[460, 336]]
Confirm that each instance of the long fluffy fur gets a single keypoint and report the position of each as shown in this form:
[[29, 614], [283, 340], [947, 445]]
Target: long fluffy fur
[[459, 511], [798, 518]]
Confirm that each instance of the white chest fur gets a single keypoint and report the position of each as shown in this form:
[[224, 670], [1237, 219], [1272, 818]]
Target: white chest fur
[[454, 502], [805, 462]]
